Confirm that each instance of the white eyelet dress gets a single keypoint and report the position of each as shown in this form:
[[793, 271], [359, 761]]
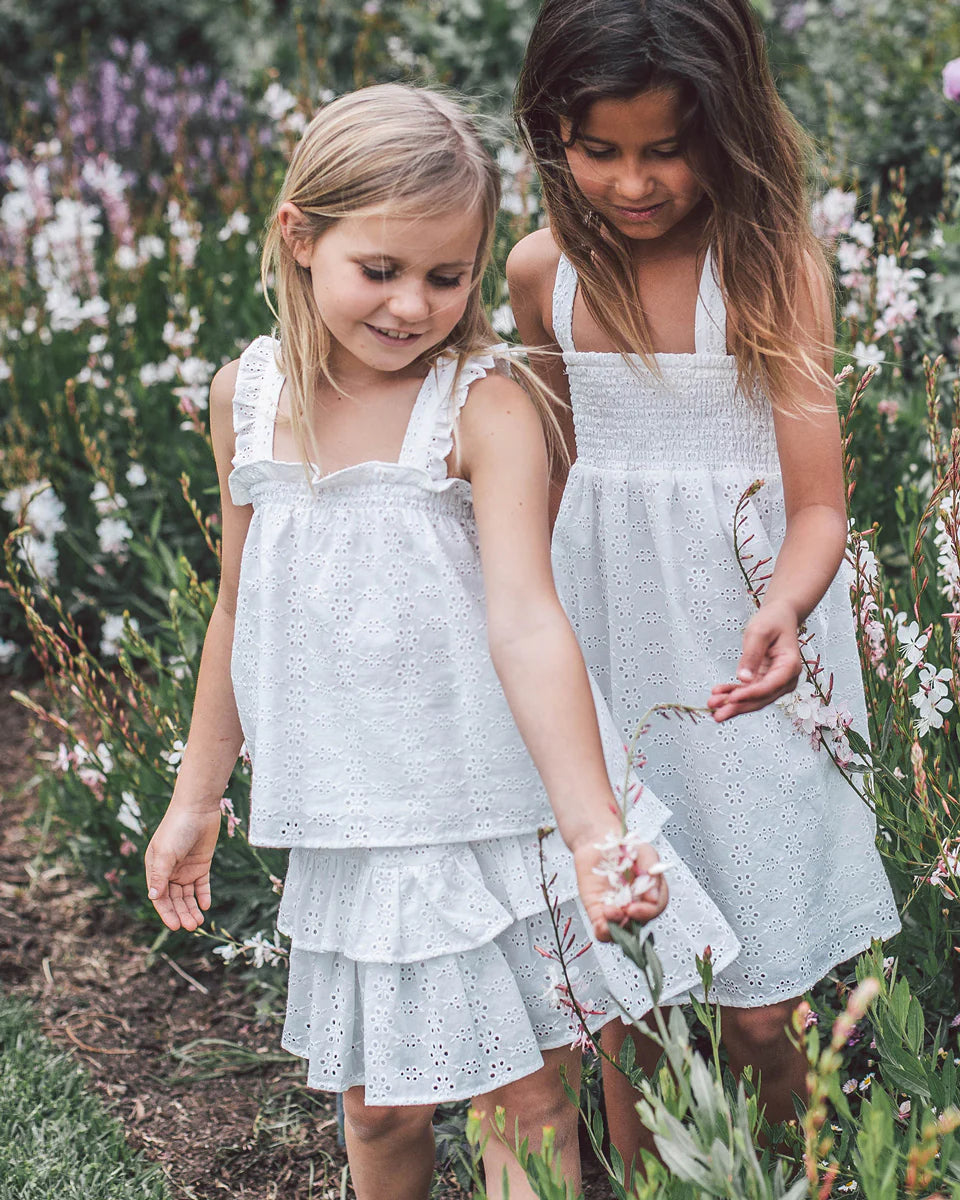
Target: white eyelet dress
[[644, 560], [385, 756]]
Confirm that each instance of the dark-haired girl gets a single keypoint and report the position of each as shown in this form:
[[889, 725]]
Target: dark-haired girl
[[681, 283]]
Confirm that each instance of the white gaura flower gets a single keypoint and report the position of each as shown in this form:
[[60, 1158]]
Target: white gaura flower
[[868, 356], [932, 699], [113, 533], [502, 319], [128, 814], [228, 951], [833, 213], [7, 651], [237, 222], [136, 475], [38, 506], [111, 633], [912, 642], [104, 501], [40, 556], [263, 951], [174, 756]]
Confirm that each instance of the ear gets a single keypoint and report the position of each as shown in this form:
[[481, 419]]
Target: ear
[[291, 221]]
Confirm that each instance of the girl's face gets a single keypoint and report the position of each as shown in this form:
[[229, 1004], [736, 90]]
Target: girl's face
[[389, 288], [627, 162]]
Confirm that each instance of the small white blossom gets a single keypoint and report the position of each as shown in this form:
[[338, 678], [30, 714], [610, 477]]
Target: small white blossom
[[174, 756], [502, 319], [111, 635], [104, 501], [228, 951], [126, 258], [129, 813], [7, 651], [868, 356], [932, 700], [237, 222], [833, 213], [40, 556], [136, 475], [912, 642], [263, 951], [113, 533]]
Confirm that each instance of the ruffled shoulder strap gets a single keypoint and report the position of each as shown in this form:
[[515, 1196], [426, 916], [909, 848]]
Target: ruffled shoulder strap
[[255, 397], [429, 437], [564, 292]]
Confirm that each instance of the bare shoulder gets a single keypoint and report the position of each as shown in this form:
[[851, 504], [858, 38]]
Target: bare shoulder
[[533, 260], [223, 386], [222, 389], [531, 272], [497, 408]]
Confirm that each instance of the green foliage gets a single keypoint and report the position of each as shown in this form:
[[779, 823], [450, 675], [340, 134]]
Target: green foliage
[[865, 77], [108, 411], [56, 1138]]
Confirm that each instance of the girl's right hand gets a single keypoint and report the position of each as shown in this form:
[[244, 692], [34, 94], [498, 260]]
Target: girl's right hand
[[594, 888], [178, 866], [769, 666]]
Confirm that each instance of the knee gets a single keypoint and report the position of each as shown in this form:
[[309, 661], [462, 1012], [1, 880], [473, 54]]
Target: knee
[[759, 1032], [529, 1110], [372, 1123]]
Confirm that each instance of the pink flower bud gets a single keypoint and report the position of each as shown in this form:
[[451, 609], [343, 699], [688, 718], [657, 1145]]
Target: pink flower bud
[[951, 79]]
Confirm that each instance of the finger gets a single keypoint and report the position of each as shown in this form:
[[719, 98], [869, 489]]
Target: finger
[[203, 892], [182, 908], [601, 930], [756, 643], [166, 912]]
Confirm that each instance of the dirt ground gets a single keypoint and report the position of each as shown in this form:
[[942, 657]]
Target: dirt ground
[[229, 1118]]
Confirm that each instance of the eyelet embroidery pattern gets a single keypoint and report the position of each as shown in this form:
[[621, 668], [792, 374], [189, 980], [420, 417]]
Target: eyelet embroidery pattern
[[385, 755], [643, 555]]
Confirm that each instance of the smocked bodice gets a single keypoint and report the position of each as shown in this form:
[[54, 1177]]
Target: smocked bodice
[[692, 417]]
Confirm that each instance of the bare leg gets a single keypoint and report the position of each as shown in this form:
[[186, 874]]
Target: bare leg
[[390, 1148], [530, 1104], [627, 1132], [757, 1037]]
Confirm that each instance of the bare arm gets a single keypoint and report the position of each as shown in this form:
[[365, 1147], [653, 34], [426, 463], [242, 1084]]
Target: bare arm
[[533, 648], [808, 442], [178, 857], [531, 271]]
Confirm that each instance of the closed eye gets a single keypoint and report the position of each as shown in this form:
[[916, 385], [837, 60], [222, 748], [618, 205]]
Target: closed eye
[[377, 274], [384, 274], [591, 152]]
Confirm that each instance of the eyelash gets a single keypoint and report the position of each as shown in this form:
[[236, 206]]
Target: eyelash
[[606, 154], [381, 276]]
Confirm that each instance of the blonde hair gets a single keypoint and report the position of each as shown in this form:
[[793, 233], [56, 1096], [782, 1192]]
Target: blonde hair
[[389, 148], [742, 144]]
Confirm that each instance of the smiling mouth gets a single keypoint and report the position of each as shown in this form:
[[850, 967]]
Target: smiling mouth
[[637, 213], [394, 335]]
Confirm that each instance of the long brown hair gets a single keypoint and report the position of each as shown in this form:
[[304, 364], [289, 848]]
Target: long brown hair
[[745, 148], [404, 151]]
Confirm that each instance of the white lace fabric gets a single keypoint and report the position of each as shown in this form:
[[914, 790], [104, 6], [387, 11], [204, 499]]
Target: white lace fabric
[[385, 755], [645, 564]]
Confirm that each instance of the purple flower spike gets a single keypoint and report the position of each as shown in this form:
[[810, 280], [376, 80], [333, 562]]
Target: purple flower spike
[[951, 79]]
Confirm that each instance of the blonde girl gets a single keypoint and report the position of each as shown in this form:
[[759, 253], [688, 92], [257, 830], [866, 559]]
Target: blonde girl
[[689, 310], [388, 641]]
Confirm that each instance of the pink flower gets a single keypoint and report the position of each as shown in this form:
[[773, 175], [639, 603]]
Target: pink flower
[[226, 807], [951, 79]]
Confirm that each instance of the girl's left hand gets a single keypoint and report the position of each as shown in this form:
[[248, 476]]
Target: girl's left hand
[[769, 666], [594, 889]]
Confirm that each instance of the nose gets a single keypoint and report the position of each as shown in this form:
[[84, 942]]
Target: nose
[[408, 301], [635, 180]]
